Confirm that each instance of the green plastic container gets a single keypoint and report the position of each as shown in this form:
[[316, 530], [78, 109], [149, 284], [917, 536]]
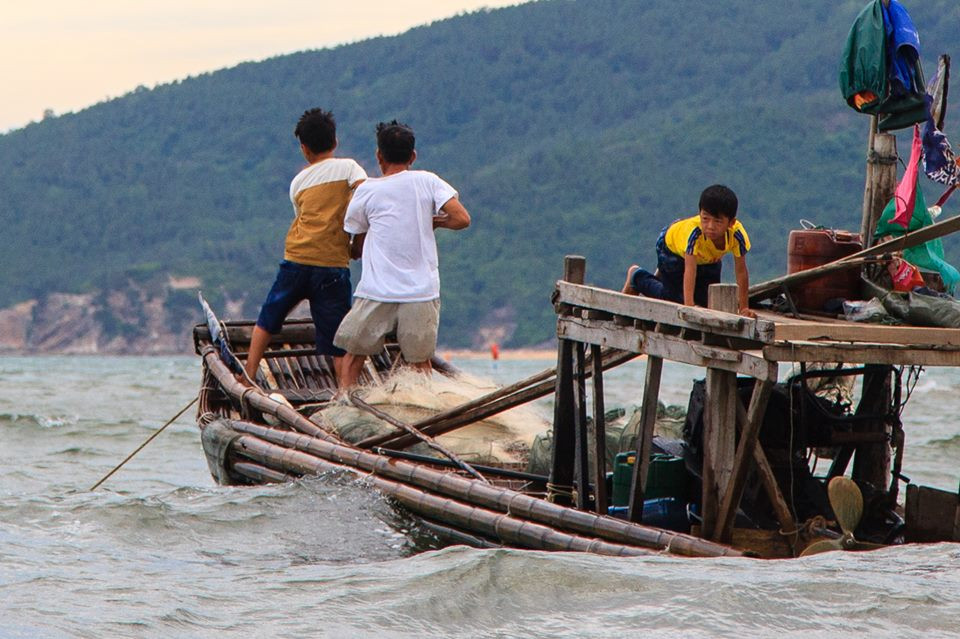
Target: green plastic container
[[666, 477]]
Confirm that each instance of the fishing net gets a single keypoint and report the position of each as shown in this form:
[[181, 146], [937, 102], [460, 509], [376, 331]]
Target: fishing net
[[620, 430], [409, 396]]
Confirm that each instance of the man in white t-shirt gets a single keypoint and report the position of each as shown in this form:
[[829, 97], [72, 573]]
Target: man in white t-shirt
[[392, 219]]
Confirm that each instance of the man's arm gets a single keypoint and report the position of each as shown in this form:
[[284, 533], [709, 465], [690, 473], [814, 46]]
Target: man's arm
[[453, 216], [356, 245], [689, 279], [743, 285]]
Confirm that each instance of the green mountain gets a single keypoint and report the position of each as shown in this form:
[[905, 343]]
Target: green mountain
[[569, 126]]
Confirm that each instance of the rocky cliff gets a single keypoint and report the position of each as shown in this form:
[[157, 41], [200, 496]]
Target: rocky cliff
[[135, 318]]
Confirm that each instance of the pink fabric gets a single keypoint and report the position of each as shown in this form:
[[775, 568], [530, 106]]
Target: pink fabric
[[906, 193]]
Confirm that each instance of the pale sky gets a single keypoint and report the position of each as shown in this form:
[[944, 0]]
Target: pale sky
[[65, 55]]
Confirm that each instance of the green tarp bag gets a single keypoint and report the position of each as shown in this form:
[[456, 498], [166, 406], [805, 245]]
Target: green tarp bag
[[864, 72], [928, 255]]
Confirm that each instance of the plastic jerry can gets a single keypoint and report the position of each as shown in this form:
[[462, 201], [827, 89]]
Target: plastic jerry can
[[811, 247]]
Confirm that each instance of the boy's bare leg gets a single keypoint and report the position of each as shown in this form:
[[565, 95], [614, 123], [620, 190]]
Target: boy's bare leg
[[628, 283], [338, 367], [258, 344], [350, 368]]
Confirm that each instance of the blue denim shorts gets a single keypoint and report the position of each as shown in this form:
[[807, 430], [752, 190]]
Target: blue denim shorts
[[668, 284], [326, 287]]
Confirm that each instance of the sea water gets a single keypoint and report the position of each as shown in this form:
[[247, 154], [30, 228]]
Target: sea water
[[159, 550]]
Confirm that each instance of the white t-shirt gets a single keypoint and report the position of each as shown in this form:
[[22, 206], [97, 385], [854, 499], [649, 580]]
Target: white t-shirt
[[400, 251]]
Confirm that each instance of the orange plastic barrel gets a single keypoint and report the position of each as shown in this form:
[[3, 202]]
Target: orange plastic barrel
[[808, 248]]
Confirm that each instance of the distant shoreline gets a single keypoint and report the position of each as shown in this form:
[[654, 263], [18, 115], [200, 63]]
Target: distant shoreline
[[505, 354]]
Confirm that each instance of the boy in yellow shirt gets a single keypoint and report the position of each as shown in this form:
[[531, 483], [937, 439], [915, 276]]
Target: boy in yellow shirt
[[689, 253]]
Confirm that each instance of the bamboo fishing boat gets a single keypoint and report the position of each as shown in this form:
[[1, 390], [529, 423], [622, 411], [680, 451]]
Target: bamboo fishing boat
[[748, 483], [262, 434]]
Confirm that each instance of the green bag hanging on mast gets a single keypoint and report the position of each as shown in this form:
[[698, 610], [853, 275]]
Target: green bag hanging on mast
[[877, 37], [863, 67]]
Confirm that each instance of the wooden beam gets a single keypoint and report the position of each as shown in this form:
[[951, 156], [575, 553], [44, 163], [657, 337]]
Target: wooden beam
[[792, 329], [648, 420], [664, 312], [768, 480], [893, 354], [741, 464], [668, 347]]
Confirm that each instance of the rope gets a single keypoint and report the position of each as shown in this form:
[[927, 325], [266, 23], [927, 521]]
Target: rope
[[560, 490], [149, 439]]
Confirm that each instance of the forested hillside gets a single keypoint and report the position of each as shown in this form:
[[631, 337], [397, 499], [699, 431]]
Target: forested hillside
[[569, 126]]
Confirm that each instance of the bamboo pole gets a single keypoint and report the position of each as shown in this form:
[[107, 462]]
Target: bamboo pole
[[505, 527], [517, 504], [488, 470], [908, 240], [259, 400], [143, 445]]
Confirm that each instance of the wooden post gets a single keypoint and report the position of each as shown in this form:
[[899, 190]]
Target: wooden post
[[581, 445], [648, 419], [719, 422], [599, 434], [564, 443], [871, 462], [881, 180], [564, 431]]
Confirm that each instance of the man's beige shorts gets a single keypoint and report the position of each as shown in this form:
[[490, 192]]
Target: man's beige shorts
[[363, 329]]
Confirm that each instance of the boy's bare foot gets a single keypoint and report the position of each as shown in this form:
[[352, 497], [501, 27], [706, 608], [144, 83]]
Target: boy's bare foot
[[628, 283]]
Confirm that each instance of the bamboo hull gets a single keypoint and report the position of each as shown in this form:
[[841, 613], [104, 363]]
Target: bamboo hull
[[243, 451]]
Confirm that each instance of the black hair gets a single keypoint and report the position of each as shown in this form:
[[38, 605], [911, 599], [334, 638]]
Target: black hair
[[317, 130], [396, 142], [719, 200]]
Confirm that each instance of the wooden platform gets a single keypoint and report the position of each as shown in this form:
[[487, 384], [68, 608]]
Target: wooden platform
[[725, 344], [746, 346]]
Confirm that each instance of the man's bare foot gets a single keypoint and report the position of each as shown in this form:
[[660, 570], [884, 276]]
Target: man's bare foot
[[628, 283], [243, 379]]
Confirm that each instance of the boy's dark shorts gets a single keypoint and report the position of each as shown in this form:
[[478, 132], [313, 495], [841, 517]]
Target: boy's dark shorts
[[668, 285], [326, 287]]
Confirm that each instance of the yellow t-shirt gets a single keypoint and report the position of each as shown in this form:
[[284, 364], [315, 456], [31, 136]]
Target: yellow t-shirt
[[685, 237], [320, 194]]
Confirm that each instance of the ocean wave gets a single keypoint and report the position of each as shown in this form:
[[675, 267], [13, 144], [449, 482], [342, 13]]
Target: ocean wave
[[32, 419]]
